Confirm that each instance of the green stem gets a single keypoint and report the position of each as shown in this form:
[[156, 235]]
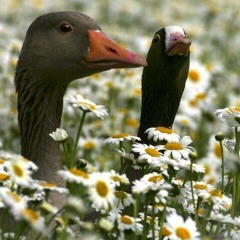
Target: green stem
[[153, 217], [74, 152], [221, 147], [66, 155], [235, 194], [145, 227]]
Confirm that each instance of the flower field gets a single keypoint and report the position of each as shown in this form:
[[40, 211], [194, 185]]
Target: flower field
[[190, 188]]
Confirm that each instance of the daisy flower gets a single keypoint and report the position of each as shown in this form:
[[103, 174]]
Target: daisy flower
[[78, 101], [126, 222], [60, 135], [51, 187], [19, 172], [162, 133], [75, 175], [181, 229], [105, 224], [119, 178], [120, 137], [124, 199], [35, 220], [177, 150], [146, 152], [230, 114], [14, 201], [101, 191]]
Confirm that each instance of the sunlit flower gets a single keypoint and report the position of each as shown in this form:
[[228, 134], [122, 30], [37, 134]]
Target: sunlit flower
[[120, 137], [177, 150], [75, 175], [181, 229], [101, 191], [78, 101], [229, 114], [60, 135], [76, 204], [162, 133], [147, 153]]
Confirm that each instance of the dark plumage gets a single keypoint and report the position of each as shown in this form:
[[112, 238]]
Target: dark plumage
[[59, 48], [163, 80]]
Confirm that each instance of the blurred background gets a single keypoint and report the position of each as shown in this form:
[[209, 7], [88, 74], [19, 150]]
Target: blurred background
[[214, 76]]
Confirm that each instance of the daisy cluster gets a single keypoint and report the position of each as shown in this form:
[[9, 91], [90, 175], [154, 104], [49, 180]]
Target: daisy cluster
[[188, 178]]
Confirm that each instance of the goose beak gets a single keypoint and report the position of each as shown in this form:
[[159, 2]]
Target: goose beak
[[104, 54], [178, 45]]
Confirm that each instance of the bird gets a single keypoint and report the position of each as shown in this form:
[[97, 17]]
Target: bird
[[163, 79], [163, 82], [59, 47]]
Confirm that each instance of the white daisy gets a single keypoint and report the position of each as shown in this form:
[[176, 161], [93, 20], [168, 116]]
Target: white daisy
[[162, 133], [119, 178], [181, 229], [19, 172], [146, 152], [126, 222], [60, 135], [12, 200], [35, 220], [101, 191], [230, 114], [78, 101], [177, 150], [120, 137], [75, 175], [124, 199]]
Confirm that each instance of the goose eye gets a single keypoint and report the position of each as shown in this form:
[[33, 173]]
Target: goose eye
[[156, 38], [65, 27]]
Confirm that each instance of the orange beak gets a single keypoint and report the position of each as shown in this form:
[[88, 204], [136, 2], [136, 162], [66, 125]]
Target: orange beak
[[105, 54]]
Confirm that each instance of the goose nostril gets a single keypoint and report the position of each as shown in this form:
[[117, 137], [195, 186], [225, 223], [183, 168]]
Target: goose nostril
[[112, 50]]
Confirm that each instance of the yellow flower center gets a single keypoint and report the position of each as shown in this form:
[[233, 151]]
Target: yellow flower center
[[152, 152], [102, 188], [164, 130], [216, 193], [156, 178], [201, 211], [184, 122], [138, 91], [126, 220], [2, 161], [18, 170], [132, 122], [31, 215], [173, 146], [48, 185], [232, 109], [120, 194], [120, 135], [14, 196], [200, 96], [79, 173], [116, 178], [3, 177], [183, 233], [207, 169], [217, 150], [200, 186], [194, 75], [165, 231], [89, 145]]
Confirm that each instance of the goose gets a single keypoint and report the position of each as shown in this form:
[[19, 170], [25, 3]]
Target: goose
[[59, 47]]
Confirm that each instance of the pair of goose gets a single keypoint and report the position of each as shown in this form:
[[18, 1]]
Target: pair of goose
[[63, 46]]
